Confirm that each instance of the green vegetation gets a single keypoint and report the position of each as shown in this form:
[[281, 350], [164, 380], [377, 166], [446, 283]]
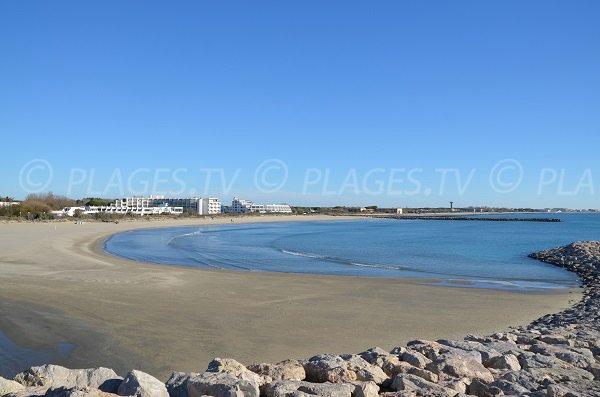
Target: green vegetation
[[36, 206]]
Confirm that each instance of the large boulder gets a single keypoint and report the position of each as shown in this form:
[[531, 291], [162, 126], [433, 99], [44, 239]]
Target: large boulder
[[559, 375], [231, 366], [389, 362], [419, 386], [415, 358], [476, 350], [9, 386], [140, 384], [221, 384], [32, 391], [284, 370], [529, 360], [177, 383], [365, 372], [506, 362], [287, 388], [55, 376], [460, 367], [77, 392], [365, 389], [339, 369]]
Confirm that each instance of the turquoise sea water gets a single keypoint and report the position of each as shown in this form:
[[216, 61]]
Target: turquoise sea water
[[482, 254]]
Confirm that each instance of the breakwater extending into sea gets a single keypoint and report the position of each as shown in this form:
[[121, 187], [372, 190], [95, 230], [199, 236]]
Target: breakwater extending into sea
[[556, 355], [465, 218]]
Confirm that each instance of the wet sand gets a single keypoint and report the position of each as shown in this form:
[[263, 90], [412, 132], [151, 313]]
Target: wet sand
[[57, 287]]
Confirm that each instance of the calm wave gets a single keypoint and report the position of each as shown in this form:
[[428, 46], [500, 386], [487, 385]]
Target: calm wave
[[483, 254]]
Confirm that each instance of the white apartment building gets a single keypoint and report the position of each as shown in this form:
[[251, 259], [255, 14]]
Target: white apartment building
[[136, 209], [240, 206], [201, 206], [244, 206], [210, 206], [279, 208]]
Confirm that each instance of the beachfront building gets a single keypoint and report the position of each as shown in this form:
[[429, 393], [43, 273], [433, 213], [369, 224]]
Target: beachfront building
[[120, 207], [197, 205], [240, 206], [211, 206], [278, 208]]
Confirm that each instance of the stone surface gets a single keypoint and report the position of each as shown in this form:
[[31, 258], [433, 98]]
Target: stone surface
[[103, 379], [415, 358], [460, 367], [77, 392], [287, 388], [339, 369], [9, 386], [284, 370], [416, 384], [140, 384], [221, 384], [508, 361], [231, 366]]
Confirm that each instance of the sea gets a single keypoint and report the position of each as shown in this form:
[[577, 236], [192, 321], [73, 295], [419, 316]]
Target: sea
[[476, 254]]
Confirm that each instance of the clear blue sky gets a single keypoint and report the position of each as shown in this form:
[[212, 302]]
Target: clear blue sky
[[111, 94]]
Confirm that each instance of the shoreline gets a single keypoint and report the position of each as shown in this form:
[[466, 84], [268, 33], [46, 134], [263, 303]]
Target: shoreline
[[98, 248], [175, 318]]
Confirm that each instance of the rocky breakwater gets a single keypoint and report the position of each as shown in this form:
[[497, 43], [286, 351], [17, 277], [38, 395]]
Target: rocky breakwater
[[557, 355]]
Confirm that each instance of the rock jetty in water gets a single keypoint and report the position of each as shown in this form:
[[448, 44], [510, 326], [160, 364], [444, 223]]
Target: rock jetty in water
[[557, 355]]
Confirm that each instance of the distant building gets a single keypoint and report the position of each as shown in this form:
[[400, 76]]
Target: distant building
[[200, 206], [240, 206], [211, 206], [399, 211], [8, 203]]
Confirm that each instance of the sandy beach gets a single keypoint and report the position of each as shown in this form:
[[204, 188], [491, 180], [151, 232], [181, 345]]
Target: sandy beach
[[57, 286]]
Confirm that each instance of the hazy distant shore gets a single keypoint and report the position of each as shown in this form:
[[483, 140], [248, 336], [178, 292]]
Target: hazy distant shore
[[156, 318]]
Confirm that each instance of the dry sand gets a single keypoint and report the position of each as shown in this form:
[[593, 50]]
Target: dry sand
[[57, 286]]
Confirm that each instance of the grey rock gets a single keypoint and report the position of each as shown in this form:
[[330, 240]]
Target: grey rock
[[415, 358], [423, 373], [140, 384], [103, 379], [221, 384], [288, 388], [365, 372], [535, 360], [9, 386], [460, 367], [508, 361], [231, 366], [562, 374], [555, 339], [373, 355], [284, 370], [328, 368], [413, 383], [177, 384], [509, 388], [477, 350], [339, 369], [365, 389], [77, 392], [31, 391]]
